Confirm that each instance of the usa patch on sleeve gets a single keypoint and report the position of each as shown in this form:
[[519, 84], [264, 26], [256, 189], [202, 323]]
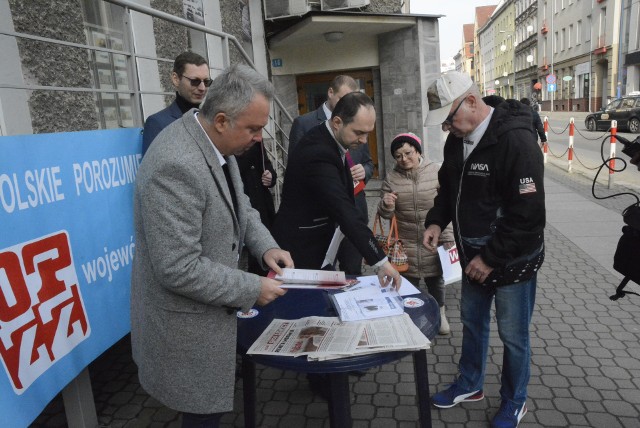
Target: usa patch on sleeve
[[527, 188]]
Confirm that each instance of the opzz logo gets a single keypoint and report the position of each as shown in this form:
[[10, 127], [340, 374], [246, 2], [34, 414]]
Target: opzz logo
[[42, 316]]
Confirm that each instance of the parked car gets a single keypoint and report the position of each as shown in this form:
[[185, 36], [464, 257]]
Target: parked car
[[625, 110]]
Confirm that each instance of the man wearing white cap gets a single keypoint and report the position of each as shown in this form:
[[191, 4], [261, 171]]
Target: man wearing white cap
[[492, 190]]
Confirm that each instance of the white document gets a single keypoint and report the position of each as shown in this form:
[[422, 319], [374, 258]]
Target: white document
[[332, 251], [406, 288], [450, 262], [367, 303], [310, 278]]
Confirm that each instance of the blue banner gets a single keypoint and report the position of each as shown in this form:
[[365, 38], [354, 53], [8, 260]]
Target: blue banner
[[66, 247]]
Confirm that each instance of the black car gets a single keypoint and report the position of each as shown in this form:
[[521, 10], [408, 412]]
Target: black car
[[625, 110]]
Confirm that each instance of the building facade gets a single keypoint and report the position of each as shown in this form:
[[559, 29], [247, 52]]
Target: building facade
[[72, 65]]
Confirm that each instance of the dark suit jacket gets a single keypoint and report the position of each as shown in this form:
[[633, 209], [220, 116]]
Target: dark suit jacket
[[361, 155], [317, 195], [157, 122], [251, 168]]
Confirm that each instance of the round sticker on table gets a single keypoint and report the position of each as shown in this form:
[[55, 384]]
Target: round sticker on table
[[249, 314], [412, 302]]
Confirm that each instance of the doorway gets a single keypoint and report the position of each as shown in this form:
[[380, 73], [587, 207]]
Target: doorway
[[312, 92]]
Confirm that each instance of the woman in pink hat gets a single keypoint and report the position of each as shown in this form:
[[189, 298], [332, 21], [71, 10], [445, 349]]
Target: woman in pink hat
[[408, 192]]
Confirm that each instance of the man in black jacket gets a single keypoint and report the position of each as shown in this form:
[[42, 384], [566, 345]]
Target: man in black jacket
[[349, 257], [317, 193], [492, 190], [536, 122]]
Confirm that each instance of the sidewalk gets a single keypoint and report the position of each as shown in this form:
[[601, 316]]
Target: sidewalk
[[585, 348]]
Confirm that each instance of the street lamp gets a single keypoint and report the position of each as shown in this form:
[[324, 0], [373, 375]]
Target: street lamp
[[503, 48]]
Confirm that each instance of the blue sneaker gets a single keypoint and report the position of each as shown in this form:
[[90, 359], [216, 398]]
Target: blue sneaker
[[509, 415], [454, 395]]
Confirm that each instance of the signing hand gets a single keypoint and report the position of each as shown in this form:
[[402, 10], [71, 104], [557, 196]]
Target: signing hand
[[269, 291], [388, 275], [357, 172], [430, 238], [478, 270], [389, 200], [266, 178], [274, 256]]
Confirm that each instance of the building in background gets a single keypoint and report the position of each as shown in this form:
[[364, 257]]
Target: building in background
[[467, 50], [526, 50], [482, 50]]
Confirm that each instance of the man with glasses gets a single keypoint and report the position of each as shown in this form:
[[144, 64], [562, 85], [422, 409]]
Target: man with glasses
[[190, 77], [492, 190]]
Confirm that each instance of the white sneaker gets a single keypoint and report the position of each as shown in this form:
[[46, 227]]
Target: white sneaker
[[444, 324]]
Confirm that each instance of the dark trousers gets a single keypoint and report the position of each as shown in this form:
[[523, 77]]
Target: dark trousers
[[193, 420]]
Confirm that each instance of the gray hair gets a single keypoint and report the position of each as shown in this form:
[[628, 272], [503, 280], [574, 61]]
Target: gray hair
[[233, 90]]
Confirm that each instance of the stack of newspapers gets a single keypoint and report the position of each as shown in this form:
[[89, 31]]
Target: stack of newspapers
[[328, 338]]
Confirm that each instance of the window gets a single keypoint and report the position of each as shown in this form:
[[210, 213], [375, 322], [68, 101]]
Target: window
[[104, 28], [569, 36], [578, 32], [555, 42], [562, 39]]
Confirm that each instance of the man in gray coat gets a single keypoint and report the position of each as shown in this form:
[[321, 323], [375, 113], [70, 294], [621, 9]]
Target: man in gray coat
[[191, 221]]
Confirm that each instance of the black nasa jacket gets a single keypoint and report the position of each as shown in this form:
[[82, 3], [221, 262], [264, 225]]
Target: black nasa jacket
[[495, 198]]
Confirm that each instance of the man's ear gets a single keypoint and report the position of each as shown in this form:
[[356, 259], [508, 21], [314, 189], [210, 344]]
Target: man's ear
[[175, 79], [336, 122], [329, 92], [220, 121]]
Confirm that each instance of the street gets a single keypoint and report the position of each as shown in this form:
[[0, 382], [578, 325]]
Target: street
[[587, 148]]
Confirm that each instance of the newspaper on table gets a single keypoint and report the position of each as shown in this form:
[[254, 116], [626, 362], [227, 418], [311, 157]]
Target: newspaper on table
[[326, 338], [391, 334], [307, 335]]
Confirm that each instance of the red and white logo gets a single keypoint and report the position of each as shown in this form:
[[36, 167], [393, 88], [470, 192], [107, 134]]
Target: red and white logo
[[453, 255], [42, 315]]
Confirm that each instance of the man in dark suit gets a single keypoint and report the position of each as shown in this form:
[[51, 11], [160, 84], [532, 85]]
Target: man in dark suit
[[191, 222], [190, 77], [318, 195], [349, 257]]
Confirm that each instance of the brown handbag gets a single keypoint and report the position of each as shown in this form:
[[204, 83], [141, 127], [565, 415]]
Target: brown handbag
[[391, 244]]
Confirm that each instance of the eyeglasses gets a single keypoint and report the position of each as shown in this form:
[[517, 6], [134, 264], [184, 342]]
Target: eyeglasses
[[196, 82], [449, 120], [400, 156]]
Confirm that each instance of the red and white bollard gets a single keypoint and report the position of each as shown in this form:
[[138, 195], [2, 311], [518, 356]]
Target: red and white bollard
[[545, 145], [570, 155], [612, 151]]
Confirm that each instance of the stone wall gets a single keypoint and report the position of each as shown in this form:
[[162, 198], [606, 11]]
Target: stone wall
[[400, 90], [231, 12], [383, 6], [171, 40], [47, 64]]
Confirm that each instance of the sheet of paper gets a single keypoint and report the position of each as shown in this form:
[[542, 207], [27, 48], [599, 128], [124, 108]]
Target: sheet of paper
[[450, 262], [367, 303], [406, 288], [310, 278], [332, 251]]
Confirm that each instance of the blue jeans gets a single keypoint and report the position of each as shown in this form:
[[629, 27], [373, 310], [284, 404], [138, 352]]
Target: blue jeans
[[514, 307]]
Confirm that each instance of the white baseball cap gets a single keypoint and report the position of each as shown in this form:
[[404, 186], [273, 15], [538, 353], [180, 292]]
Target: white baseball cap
[[442, 92]]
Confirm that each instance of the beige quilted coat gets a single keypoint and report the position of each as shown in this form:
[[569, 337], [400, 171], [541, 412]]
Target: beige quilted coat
[[416, 190]]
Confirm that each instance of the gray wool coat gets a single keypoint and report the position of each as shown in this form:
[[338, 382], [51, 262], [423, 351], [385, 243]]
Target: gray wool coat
[[185, 276]]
